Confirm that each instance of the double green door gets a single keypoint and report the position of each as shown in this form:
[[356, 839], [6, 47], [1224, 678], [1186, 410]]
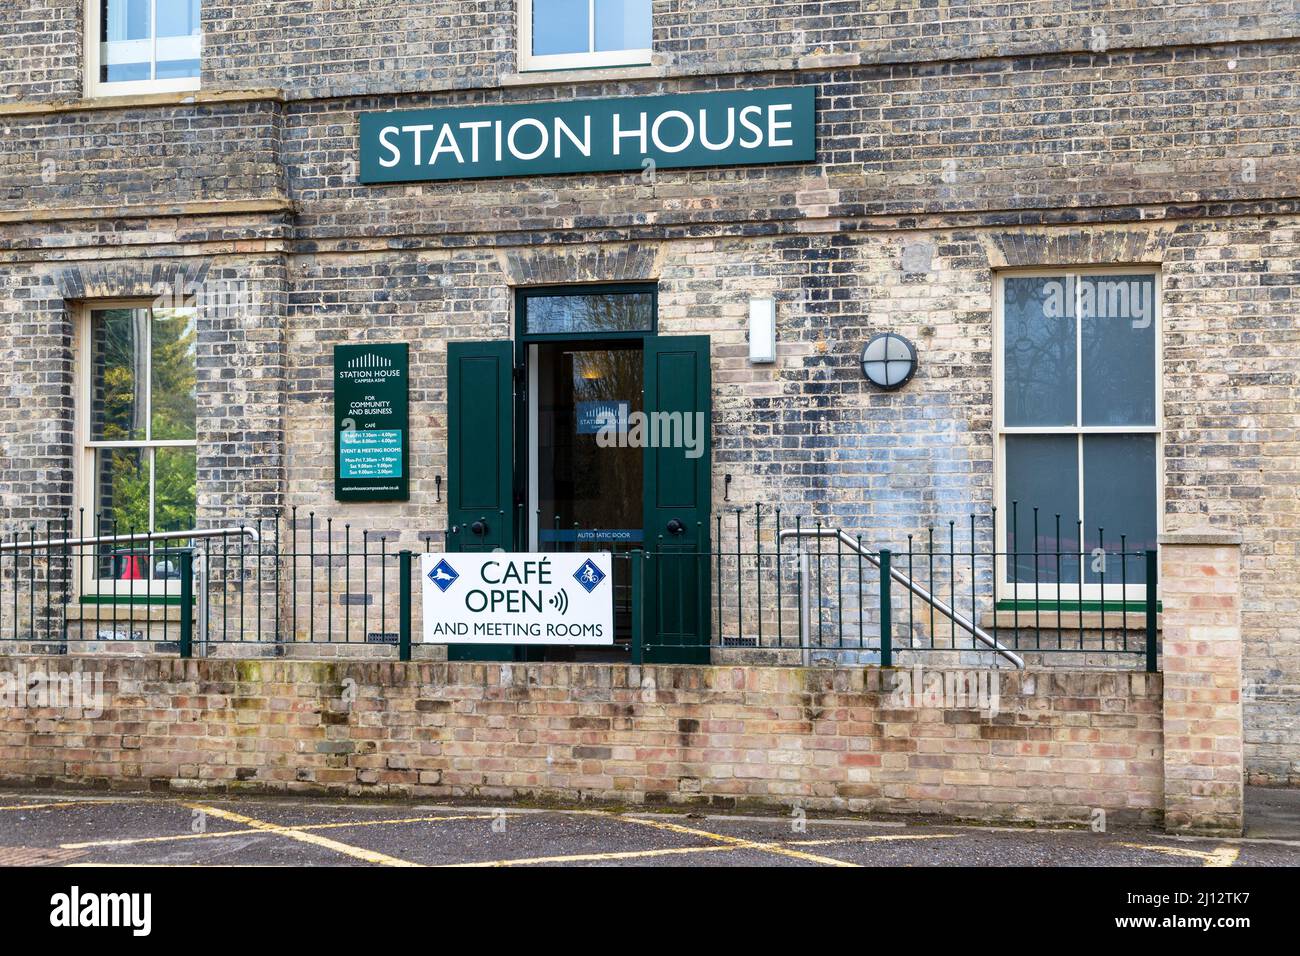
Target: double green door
[[486, 488]]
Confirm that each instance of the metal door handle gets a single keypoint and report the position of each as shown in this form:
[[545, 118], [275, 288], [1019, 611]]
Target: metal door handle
[[675, 526], [479, 528]]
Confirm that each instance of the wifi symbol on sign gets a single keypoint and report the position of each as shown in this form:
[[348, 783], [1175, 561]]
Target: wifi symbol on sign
[[560, 601]]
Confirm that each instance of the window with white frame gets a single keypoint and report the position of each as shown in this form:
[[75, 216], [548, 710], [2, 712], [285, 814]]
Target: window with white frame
[[1078, 417], [138, 440], [142, 46], [575, 34]]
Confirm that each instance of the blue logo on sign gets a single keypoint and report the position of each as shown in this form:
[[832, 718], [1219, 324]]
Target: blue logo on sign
[[443, 575], [589, 575]]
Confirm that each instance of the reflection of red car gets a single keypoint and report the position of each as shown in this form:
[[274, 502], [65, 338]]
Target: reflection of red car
[[131, 565]]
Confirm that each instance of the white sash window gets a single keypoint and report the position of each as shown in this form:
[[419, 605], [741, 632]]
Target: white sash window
[[142, 46], [137, 466], [1078, 420], [579, 34]]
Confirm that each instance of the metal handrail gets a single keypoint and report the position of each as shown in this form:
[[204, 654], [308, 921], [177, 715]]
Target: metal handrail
[[49, 543], [938, 604]]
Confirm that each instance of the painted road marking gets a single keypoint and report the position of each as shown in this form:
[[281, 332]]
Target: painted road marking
[[597, 857], [721, 843], [871, 839], [736, 842], [215, 834], [1220, 856], [712, 848], [50, 806], [357, 853], [1225, 850]]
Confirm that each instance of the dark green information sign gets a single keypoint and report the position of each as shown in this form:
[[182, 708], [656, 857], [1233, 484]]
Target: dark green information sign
[[371, 422], [733, 128]]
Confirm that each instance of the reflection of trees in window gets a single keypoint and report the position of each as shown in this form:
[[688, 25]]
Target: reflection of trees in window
[[120, 337], [173, 393], [142, 403]]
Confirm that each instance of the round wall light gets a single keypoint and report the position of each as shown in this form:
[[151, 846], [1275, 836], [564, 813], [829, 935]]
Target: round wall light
[[889, 360]]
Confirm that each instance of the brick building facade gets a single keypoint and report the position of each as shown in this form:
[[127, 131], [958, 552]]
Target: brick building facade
[[955, 143]]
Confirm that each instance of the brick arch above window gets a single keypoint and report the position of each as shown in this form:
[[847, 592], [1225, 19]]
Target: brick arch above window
[[634, 262], [1092, 246], [127, 280]]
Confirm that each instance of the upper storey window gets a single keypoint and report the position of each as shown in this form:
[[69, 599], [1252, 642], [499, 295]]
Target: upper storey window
[[577, 34], [142, 46]]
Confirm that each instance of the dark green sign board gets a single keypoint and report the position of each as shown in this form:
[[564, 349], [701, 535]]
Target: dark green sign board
[[733, 128], [371, 422]]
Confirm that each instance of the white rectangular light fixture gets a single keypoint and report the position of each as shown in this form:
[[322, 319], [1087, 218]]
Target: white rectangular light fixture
[[762, 330]]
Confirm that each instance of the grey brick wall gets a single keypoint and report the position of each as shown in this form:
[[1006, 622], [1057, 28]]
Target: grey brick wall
[[328, 48], [143, 156], [343, 47], [35, 401], [41, 50]]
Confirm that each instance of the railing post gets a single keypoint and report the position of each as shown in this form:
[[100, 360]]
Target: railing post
[[805, 607], [636, 563], [1153, 570], [886, 625], [201, 598], [404, 606], [187, 604]]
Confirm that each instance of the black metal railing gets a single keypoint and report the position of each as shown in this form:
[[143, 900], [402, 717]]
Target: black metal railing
[[761, 579], [800, 584]]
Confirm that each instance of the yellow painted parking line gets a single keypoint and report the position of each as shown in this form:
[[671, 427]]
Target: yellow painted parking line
[[169, 838], [712, 848], [596, 857], [357, 853], [880, 838], [737, 843], [1219, 856], [217, 834], [51, 806]]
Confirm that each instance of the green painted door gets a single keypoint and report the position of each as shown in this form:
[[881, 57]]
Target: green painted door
[[675, 618], [480, 473]]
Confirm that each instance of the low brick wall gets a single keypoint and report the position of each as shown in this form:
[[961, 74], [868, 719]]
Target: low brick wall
[[1060, 745]]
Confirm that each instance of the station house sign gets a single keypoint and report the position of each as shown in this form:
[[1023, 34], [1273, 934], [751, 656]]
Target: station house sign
[[735, 128]]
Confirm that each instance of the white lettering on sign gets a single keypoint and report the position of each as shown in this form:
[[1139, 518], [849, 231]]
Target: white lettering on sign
[[497, 597], [528, 138]]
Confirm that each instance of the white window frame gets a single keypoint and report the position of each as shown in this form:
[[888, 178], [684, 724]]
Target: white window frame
[[95, 87], [572, 61], [1080, 592], [84, 463]]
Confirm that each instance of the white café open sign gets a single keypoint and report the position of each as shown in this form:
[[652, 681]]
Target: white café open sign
[[499, 597]]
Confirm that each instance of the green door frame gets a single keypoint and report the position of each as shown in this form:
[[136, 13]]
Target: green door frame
[[691, 636], [523, 339]]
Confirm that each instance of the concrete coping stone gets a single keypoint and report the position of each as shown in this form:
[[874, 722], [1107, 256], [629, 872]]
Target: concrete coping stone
[[1204, 535]]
